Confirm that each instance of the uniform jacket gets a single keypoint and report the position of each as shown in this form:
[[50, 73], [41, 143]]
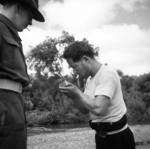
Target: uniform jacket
[[12, 60]]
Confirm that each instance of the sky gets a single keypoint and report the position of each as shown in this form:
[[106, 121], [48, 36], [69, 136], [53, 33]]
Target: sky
[[120, 28]]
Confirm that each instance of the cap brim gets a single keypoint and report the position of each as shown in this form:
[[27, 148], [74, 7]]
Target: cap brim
[[37, 15]]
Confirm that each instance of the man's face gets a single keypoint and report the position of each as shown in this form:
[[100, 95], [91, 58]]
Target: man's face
[[23, 18], [80, 67]]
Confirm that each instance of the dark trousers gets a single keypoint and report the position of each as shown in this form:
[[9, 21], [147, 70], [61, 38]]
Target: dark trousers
[[121, 140], [13, 132]]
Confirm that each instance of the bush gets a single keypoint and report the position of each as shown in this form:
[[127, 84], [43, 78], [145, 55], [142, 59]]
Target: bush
[[37, 117], [136, 108]]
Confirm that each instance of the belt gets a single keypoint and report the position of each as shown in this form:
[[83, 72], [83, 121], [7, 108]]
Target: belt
[[117, 131], [109, 126], [103, 134], [10, 85]]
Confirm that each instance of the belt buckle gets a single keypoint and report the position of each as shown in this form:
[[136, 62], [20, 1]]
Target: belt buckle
[[20, 88], [102, 134]]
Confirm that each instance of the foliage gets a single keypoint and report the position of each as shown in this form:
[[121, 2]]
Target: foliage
[[45, 58], [43, 93], [136, 94]]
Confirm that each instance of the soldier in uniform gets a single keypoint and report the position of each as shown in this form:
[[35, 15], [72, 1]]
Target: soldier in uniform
[[15, 16]]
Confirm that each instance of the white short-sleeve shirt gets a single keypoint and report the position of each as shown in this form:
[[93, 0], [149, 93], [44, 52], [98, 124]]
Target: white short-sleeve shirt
[[106, 82]]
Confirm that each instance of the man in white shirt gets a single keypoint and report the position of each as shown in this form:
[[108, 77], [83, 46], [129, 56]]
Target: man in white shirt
[[102, 98]]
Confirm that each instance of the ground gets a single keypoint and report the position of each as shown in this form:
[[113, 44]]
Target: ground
[[82, 138]]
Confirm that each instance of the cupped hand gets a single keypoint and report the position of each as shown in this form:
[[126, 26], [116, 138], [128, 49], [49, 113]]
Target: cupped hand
[[70, 89]]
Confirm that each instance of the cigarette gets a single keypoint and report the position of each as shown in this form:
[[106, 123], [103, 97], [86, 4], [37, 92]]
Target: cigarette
[[28, 29]]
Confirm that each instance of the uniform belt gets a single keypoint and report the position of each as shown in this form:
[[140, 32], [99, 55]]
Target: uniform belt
[[10, 85]]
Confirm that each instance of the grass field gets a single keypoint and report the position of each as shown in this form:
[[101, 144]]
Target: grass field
[[79, 138]]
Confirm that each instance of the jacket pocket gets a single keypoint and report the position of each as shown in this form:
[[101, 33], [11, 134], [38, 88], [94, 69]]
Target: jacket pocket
[[9, 46]]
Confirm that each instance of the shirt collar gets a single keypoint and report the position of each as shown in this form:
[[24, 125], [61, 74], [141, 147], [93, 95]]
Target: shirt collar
[[9, 24]]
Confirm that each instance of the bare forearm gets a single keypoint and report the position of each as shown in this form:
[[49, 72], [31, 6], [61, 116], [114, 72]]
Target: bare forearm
[[97, 105], [79, 104]]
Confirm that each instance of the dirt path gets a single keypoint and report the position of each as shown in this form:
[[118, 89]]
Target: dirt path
[[82, 138]]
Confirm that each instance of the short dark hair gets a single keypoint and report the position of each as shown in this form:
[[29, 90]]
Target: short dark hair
[[77, 50]]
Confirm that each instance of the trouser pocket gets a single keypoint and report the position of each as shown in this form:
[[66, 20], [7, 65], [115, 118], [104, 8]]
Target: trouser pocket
[[101, 140], [13, 137]]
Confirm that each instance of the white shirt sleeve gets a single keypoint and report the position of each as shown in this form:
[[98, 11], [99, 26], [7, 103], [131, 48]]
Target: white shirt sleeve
[[106, 85]]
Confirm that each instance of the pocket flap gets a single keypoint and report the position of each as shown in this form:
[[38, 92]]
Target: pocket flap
[[13, 127], [10, 40]]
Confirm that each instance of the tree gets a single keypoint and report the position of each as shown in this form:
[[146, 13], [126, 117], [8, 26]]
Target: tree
[[46, 61], [142, 84], [45, 58]]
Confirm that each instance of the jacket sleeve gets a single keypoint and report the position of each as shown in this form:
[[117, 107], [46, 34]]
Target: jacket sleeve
[[0, 43], [1, 29], [0, 36]]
